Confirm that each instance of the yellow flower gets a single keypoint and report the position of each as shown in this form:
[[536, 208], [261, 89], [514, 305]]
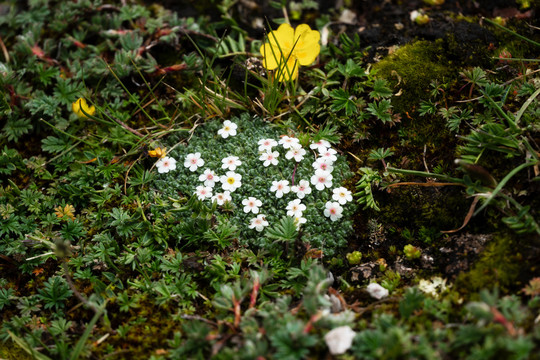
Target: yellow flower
[[288, 48], [81, 104], [158, 152]]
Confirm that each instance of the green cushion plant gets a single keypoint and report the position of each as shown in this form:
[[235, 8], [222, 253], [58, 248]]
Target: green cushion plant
[[325, 221]]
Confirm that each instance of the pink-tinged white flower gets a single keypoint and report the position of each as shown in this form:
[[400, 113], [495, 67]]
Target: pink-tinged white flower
[[295, 208], [328, 154], [323, 164], [230, 163], [280, 187], [321, 179], [228, 129], [342, 195], [295, 152], [298, 221], [377, 291], [339, 340], [231, 181], [258, 223], [221, 198], [269, 157], [319, 144], [193, 161], [289, 142], [203, 192], [165, 164], [251, 204], [266, 144], [333, 210], [302, 189], [209, 177]]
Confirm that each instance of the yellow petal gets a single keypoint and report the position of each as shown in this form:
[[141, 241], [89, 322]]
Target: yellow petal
[[307, 55], [303, 29], [288, 71], [158, 152], [90, 110], [76, 107], [307, 46], [81, 104], [271, 56], [283, 38]]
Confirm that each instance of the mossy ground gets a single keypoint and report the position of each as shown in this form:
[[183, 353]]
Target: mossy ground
[[193, 312]]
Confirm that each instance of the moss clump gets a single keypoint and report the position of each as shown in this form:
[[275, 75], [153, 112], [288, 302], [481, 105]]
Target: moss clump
[[412, 68], [10, 351], [499, 265], [414, 208]]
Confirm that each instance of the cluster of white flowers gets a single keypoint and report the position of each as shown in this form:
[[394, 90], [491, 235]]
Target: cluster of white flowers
[[321, 180], [433, 287]]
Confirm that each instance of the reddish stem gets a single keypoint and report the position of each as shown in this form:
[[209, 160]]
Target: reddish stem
[[254, 292]]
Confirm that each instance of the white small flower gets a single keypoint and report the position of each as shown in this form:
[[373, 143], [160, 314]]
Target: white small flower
[[321, 179], [280, 187], [299, 220], [319, 144], [230, 163], [328, 154], [302, 189], [339, 340], [221, 198], [289, 142], [258, 223], [203, 192], [266, 144], [165, 164], [333, 210], [323, 164], [377, 291], [228, 129], [209, 177], [295, 208], [295, 152], [193, 161], [269, 157], [434, 287], [342, 195], [231, 181], [251, 204]]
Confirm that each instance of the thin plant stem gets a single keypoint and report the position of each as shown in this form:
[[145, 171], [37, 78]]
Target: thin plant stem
[[511, 32]]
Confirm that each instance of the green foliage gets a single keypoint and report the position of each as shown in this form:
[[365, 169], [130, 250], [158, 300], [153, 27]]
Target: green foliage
[[380, 154], [54, 293], [284, 231], [16, 128], [6, 295], [364, 192], [342, 100], [381, 110]]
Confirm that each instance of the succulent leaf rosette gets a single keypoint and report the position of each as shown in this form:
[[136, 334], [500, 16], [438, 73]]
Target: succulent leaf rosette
[[264, 174]]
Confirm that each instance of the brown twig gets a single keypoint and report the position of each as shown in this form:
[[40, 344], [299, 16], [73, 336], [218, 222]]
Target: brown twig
[[429, 184], [74, 289], [4, 50], [467, 218]]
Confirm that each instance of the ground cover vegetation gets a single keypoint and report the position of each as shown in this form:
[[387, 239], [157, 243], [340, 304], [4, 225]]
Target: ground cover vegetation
[[270, 180]]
